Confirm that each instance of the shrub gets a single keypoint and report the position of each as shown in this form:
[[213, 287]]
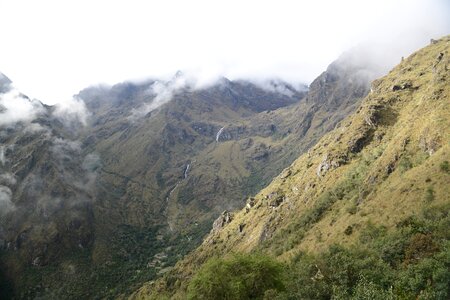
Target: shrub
[[367, 290], [239, 277], [352, 209], [445, 166], [428, 279], [348, 230], [429, 194], [405, 164], [420, 246], [337, 274]]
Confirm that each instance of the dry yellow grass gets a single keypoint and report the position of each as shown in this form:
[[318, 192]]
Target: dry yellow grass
[[390, 151]]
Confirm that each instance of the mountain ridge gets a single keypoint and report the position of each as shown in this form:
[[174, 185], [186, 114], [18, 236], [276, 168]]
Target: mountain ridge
[[381, 165], [158, 174]]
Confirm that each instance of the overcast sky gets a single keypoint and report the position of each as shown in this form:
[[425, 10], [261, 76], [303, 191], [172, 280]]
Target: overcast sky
[[52, 49]]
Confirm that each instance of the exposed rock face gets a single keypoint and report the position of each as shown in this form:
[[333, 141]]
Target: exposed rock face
[[330, 161], [323, 167], [429, 141], [275, 199], [286, 174], [224, 219], [250, 203]]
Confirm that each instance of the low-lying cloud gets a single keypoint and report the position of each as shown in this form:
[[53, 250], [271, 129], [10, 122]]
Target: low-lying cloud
[[15, 107], [162, 93], [2, 155], [76, 168], [281, 87], [6, 205], [7, 179], [72, 111]]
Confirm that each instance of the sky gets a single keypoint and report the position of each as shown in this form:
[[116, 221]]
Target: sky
[[52, 49]]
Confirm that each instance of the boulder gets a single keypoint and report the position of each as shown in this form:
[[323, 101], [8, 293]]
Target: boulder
[[276, 201], [224, 219]]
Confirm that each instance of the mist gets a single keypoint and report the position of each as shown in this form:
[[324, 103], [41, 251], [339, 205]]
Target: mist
[[6, 204], [51, 54], [161, 93], [15, 107], [72, 111]]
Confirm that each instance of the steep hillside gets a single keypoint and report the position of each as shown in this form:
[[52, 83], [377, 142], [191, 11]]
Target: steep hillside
[[364, 211], [46, 184], [95, 210], [201, 153]]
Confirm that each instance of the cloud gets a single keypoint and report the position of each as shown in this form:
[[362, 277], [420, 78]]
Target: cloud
[[162, 93], [63, 148], [2, 155], [74, 172], [72, 111], [7, 179], [280, 87], [91, 164], [292, 40], [15, 107], [6, 204], [76, 169], [36, 127]]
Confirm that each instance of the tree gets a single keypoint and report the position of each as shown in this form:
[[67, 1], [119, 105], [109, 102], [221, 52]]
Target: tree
[[241, 276]]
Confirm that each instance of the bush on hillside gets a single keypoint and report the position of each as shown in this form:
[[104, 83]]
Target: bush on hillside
[[239, 277]]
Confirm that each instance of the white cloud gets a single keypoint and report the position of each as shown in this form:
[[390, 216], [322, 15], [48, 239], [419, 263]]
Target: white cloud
[[162, 93], [6, 204], [14, 107], [55, 48], [73, 110], [2, 155]]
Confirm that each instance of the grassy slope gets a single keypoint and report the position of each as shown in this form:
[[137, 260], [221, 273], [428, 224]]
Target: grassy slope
[[384, 164], [143, 161], [220, 176]]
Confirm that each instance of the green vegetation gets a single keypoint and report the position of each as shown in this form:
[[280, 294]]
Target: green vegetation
[[365, 213], [6, 288], [429, 194], [445, 166], [348, 189], [239, 277], [405, 164], [411, 262]]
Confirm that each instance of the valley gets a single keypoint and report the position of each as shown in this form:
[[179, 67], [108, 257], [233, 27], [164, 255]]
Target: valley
[[144, 189]]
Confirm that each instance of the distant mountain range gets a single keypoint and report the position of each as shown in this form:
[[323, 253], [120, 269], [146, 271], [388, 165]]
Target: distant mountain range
[[105, 195]]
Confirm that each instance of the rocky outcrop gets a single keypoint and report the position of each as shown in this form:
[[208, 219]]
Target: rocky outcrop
[[275, 199], [224, 219], [429, 141]]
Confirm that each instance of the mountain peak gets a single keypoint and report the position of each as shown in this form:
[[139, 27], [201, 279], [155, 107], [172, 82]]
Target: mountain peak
[[5, 83]]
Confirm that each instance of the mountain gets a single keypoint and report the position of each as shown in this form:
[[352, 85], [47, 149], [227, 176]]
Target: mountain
[[109, 195], [202, 152], [5, 82], [45, 193], [362, 215]]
